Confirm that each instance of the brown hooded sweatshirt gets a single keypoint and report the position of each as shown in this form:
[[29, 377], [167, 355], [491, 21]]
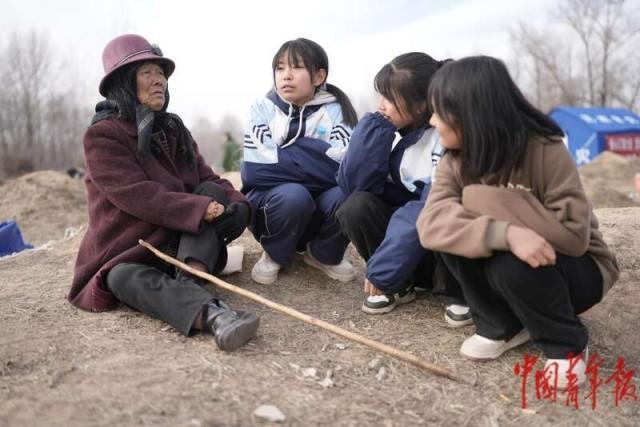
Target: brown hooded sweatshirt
[[545, 195]]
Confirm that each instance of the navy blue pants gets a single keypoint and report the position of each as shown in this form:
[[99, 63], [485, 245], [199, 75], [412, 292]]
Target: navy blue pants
[[386, 238], [289, 216]]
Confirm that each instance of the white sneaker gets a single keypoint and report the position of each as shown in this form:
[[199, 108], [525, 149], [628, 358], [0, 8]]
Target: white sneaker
[[457, 315], [562, 372], [343, 272], [477, 347], [265, 271]]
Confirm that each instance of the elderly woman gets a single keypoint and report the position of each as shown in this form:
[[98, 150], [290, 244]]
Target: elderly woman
[[146, 180]]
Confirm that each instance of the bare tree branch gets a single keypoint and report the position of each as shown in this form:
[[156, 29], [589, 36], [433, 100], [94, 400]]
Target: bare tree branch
[[586, 59]]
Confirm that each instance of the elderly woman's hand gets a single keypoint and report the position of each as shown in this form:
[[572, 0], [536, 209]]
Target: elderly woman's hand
[[214, 210], [233, 221]]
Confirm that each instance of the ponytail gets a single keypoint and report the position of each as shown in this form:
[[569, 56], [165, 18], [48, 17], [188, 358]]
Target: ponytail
[[405, 82], [348, 112], [314, 58]]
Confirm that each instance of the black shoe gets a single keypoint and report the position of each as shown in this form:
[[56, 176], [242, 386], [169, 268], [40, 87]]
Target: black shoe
[[380, 304], [231, 329], [457, 315]]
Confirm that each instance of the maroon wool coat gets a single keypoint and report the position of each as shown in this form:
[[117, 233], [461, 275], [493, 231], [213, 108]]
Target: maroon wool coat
[[130, 200]]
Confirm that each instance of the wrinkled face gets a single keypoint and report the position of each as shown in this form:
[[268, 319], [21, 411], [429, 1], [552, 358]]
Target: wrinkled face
[[448, 136], [294, 83], [152, 85], [399, 118]]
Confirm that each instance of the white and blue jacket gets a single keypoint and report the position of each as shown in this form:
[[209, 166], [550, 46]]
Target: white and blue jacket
[[284, 143], [399, 169]]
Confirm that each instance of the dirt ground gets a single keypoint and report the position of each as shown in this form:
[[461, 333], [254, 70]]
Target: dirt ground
[[60, 366]]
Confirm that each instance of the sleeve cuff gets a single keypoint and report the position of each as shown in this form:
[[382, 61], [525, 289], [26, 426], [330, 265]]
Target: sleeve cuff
[[496, 237], [382, 121]]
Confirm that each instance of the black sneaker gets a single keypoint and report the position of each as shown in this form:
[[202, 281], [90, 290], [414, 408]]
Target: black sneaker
[[380, 304], [457, 315]]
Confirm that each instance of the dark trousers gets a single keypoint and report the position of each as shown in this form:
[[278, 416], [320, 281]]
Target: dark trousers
[[288, 217], [158, 294], [364, 218], [505, 294]]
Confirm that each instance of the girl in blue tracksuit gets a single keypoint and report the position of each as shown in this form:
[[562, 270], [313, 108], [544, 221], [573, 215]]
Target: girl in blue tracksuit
[[386, 174], [294, 142]]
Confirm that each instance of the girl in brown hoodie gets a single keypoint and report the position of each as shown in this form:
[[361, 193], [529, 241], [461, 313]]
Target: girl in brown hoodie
[[508, 212]]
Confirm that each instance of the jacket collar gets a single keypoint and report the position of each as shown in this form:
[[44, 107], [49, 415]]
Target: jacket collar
[[321, 97], [410, 138]]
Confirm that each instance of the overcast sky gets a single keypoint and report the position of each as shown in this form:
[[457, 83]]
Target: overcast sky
[[223, 50]]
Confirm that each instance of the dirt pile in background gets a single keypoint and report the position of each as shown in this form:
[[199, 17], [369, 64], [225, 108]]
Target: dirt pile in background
[[609, 181], [44, 204]]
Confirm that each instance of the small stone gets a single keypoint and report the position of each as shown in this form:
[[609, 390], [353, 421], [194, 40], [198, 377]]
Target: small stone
[[505, 398], [382, 372], [375, 364], [340, 346], [327, 382], [270, 413], [309, 372]]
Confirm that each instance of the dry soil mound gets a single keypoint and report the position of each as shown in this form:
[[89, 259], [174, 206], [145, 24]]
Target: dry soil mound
[[44, 204], [609, 180]]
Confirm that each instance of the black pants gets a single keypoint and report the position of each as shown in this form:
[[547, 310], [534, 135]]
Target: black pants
[[505, 294], [364, 219], [156, 293]]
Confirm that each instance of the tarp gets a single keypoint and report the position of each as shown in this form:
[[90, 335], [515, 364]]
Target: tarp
[[11, 238], [589, 131]]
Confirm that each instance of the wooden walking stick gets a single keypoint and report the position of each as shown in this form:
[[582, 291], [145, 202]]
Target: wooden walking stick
[[392, 351]]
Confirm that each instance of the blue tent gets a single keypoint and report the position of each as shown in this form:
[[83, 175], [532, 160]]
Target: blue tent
[[589, 131], [11, 239]]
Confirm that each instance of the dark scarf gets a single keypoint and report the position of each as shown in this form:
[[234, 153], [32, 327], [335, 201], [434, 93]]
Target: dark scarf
[[122, 102], [146, 120]]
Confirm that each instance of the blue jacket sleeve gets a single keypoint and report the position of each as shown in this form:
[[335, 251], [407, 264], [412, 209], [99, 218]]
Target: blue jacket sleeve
[[399, 254], [340, 133], [266, 164], [304, 163], [365, 166]]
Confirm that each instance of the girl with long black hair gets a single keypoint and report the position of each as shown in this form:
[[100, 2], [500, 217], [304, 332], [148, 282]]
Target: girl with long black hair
[[510, 216], [386, 175]]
